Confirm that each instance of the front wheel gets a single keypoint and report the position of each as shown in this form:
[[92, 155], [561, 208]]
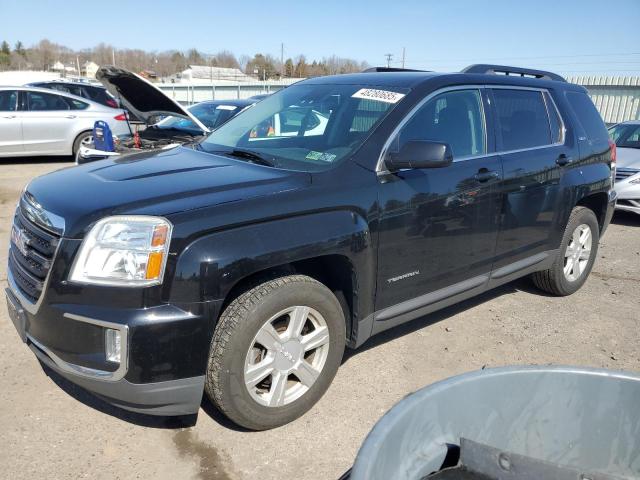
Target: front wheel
[[575, 257], [275, 351]]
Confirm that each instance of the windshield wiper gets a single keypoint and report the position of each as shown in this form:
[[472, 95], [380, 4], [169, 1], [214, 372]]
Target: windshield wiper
[[250, 155]]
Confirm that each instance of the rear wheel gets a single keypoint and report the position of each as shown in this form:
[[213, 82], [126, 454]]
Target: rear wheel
[[84, 139], [275, 351], [575, 257]]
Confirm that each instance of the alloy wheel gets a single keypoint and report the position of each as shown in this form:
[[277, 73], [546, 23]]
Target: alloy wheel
[[286, 356], [578, 252]]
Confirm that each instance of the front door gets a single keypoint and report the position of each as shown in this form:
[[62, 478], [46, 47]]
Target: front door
[[10, 124], [438, 226]]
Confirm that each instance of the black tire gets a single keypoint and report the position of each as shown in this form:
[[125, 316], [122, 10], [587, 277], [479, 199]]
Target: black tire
[[554, 280], [78, 141], [234, 336]]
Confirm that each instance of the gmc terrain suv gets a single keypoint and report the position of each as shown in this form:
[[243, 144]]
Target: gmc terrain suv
[[335, 209]]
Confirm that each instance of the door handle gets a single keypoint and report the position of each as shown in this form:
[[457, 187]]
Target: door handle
[[485, 175], [9, 116], [563, 159], [70, 116]]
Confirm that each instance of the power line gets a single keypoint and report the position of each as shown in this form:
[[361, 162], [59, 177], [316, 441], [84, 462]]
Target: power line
[[440, 60]]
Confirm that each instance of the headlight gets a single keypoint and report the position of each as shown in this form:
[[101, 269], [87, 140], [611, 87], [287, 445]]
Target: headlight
[[124, 251]]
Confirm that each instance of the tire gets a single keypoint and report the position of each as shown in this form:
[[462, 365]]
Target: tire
[[273, 399], [82, 137], [555, 280]]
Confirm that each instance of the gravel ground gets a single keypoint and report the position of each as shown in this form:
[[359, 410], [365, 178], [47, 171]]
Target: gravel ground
[[51, 429]]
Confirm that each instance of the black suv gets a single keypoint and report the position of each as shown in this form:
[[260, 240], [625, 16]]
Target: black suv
[[332, 210]]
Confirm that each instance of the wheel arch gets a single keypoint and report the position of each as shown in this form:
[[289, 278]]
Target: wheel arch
[[78, 135], [597, 203]]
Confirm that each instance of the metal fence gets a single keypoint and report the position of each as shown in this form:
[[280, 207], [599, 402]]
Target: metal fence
[[188, 94], [617, 98]]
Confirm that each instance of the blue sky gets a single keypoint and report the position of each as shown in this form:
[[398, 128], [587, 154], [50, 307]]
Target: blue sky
[[570, 36]]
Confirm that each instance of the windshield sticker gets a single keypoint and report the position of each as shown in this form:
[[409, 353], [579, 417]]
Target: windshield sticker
[[379, 95], [323, 157], [225, 107]]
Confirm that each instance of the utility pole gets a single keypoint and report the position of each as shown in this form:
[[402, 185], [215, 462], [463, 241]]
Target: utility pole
[[113, 56], [389, 57], [282, 60], [403, 56]]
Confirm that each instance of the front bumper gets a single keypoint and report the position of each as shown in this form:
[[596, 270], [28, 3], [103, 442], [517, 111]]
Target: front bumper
[[164, 349]]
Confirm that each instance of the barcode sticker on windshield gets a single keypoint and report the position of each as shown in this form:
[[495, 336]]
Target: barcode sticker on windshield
[[379, 95]]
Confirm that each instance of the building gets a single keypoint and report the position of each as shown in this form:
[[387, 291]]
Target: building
[[205, 74], [89, 69], [617, 98]]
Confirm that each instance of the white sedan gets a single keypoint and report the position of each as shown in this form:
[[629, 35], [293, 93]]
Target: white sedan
[[37, 121]]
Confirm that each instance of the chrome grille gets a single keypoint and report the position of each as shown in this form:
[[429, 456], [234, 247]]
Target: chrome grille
[[31, 254], [622, 173]]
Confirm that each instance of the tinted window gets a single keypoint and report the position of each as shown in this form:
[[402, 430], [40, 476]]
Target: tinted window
[[523, 120], [39, 101], [76, 104], [8, 100], [588, 116], [452, 117], [557, 130], [626, 135]]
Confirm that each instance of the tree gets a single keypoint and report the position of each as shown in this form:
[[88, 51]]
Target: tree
[[289, 68], [225, 59], [4, 48], [263, 66], [301, 67], [194, 57], [19, 49]]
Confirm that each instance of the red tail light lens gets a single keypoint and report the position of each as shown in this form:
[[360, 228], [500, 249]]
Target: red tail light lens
[[112, 103], [122, 117], [614, 156]]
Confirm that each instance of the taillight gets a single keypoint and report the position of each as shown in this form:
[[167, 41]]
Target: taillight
[[112, 103], [122, 117], [614, 156]]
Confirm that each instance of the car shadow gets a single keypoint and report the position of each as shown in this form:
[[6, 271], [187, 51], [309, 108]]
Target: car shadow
[[520, 285], [43, 159], [95, 402], [627, 219]]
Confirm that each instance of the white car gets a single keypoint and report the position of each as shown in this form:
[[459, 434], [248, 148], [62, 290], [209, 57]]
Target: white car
[[38, 121], [626, 135]]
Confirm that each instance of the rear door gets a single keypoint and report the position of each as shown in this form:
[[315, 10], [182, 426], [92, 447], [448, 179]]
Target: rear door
[[10, 124], [531, 141], [47, 124]]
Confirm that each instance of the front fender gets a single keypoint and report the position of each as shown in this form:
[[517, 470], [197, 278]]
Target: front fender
[[209, 267]]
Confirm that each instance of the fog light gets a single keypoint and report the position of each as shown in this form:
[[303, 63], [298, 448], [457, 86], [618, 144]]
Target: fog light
[[112, 345]]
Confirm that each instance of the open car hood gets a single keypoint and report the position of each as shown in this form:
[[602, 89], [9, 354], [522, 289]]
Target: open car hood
[[141, 97]]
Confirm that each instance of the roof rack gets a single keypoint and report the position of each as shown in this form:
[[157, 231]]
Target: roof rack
[[515, 71], [391, 69]]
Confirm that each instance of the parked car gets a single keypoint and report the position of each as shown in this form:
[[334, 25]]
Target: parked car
[[626, 135], [243, 268], [180, 124], [96, 93], [38, 121]]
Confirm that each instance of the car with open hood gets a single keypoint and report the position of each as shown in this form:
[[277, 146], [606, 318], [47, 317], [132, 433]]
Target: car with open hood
[[243, 265], [168, 123]]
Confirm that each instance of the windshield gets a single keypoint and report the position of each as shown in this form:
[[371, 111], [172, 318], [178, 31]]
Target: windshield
[[306, 127], [626, 135], [211, 114]]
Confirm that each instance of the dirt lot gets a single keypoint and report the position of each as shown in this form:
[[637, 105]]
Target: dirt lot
[[50, 429]]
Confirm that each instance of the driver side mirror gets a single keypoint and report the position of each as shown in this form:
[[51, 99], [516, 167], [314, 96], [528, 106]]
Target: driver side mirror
[[420, 154]]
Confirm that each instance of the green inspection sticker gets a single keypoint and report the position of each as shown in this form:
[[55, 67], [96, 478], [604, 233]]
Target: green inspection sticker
[[323, 157]]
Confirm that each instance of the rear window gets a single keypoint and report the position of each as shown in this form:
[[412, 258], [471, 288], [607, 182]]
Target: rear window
[[522, 117], [588, 116]]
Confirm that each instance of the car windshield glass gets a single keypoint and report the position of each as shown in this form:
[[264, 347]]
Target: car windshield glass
[[306, 127], [626, 135], [212, 115]]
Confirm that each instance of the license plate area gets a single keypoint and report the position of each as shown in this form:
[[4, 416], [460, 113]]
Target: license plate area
[[17, 315]]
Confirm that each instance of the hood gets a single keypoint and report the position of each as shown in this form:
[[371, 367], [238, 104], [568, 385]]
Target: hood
[[156, 183], [627, 157], [141, 97]]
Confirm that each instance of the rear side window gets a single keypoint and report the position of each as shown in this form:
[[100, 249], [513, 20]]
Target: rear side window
[[39, 101], [523, 120], [8, 100], [76, 104], [588, 116]]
